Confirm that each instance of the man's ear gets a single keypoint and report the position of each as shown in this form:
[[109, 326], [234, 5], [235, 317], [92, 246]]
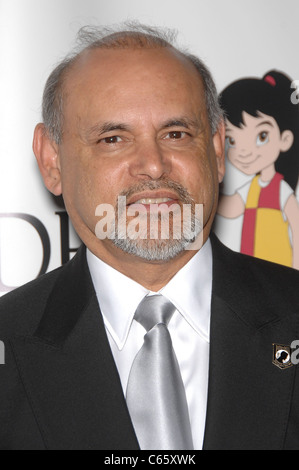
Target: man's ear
[[46, 153], [219, 146], [286, 141]]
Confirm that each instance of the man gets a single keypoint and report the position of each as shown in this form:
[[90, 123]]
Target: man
[[131, 116]]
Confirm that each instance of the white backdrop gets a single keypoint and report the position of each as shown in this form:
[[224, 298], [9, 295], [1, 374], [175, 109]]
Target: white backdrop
[[235, 38]]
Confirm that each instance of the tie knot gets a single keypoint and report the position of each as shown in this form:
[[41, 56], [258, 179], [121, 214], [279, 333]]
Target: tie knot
[[154, 309]]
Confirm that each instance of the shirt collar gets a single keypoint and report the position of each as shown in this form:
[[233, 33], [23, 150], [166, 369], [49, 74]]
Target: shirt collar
[[189, 290]]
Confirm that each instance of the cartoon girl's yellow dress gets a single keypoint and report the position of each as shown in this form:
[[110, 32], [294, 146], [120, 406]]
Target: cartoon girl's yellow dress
[[265, 232]]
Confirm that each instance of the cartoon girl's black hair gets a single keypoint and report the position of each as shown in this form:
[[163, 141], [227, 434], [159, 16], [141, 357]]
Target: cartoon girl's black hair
[[270, 95]]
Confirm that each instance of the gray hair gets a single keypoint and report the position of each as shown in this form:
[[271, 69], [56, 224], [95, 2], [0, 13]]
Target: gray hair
[[127, 35]]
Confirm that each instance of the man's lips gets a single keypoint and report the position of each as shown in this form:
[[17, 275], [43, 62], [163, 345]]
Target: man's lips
[[153, 197]]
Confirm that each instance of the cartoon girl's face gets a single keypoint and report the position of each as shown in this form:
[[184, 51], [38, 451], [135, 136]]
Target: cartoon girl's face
[[256, 144]]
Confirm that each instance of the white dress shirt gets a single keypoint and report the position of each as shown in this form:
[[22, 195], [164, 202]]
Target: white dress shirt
[[190, 291]]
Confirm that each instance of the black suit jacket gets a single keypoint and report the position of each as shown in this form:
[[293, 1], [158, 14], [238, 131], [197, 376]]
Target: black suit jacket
[[60, 389]]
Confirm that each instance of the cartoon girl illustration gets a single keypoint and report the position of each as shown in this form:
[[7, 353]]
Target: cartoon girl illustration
[[262, 140]]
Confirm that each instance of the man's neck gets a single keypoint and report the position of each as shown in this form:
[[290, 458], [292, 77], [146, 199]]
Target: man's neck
[[153, 275]]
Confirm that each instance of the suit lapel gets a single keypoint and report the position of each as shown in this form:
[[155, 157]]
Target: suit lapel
[[69, 373], [249, 398]]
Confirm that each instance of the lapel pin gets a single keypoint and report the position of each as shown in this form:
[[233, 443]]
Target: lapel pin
[[281, 356]]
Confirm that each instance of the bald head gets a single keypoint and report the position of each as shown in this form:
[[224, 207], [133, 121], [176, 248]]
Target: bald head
[[128, 81], [132, 36]]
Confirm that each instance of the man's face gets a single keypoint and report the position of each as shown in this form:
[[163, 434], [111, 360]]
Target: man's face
[[135, 124]]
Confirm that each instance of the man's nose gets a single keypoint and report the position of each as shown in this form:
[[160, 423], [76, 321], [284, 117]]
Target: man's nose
[[150, 161]]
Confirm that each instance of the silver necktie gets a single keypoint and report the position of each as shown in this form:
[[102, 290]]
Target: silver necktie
[[156, 396]]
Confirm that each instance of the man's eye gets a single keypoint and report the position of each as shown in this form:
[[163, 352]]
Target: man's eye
[[262, 138], [176, 135], [114, 139], [230, 141]]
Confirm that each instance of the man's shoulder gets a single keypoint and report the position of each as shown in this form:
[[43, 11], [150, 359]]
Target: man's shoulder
[[22, 308], [253, 267], [266, 289]]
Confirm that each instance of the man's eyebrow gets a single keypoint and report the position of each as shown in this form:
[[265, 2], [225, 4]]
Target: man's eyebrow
[[265, 122], [102, 128], [181, 122]]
